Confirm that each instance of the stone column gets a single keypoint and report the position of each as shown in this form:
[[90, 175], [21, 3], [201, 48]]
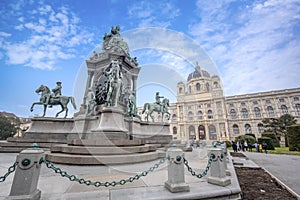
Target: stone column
[[217, 169], [134, 84], [175, 182], [27, 175]]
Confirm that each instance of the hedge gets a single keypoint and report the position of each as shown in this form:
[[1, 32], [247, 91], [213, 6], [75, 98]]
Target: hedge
[[293, 135], [273, 137]]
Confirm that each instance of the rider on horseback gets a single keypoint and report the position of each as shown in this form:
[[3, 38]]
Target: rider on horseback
[[157, 100], [56, 92]]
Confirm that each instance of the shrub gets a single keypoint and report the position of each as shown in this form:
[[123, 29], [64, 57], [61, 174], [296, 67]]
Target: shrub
[[293, 135], [228, 144], [250, 139], [251, 134], [267, 140], [273, 137]]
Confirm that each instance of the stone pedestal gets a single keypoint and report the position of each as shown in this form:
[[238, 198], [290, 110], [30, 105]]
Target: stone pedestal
[[111, 120], [217, 169], [176, 182], [27, 175]]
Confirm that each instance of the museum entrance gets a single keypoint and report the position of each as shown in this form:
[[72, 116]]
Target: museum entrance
[[201, 132]]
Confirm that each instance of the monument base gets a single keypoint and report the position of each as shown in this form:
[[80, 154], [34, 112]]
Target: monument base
[[219, 181], [179, 187], [111, 120], [36, 195]]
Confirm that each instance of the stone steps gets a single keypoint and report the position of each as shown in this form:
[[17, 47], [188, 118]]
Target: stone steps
[[101, 150], [16, 147], [63, 158]]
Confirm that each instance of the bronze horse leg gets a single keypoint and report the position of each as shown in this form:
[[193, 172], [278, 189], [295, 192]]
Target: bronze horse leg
[[39, 103]]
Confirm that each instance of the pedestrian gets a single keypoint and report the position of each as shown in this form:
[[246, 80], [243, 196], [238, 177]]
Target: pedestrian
[[234, 146], [250, 147], [260, 148], [256, 146], [246, 145], [265, 146]]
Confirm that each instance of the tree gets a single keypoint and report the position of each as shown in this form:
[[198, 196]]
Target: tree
[[7, 128], [279, 125]]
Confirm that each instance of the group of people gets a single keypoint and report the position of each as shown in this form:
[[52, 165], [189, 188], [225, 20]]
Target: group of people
[[245, 146]]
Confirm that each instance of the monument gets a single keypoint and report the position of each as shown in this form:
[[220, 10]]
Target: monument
[[106, 129]]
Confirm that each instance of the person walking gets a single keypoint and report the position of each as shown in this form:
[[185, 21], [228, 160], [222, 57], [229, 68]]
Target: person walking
[[265, 146]]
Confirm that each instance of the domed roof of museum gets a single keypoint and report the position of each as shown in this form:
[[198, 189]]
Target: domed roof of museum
[[198, 73]]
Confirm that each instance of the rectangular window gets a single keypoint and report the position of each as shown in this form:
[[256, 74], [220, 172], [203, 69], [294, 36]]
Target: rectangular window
[[255, 102], [268, 101], [231, 105], [281, 100], [296, 98], [243, 104]]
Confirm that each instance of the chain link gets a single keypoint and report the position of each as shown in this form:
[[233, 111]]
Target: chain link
[[98, 183], [204, 173], [10, 170]]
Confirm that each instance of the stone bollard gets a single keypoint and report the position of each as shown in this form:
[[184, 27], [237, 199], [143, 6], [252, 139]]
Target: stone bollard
[[175, 182], [217, 169], [27, 175], [226, 159]]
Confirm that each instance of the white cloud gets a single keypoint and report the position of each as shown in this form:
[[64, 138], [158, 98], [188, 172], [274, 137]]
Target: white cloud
[[49, 35], [150, 14], [255, 45]]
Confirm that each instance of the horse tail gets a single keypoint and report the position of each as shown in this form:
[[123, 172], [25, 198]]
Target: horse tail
[[73, 102], [146, 105]]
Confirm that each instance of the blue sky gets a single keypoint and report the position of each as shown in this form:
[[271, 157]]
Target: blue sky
[[253, 45]]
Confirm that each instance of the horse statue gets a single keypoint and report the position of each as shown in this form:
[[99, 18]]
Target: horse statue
[[163, 108], [61, 100]]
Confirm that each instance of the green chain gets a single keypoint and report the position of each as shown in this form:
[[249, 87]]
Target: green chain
[[10, 170], [204, 173], [98, 183]]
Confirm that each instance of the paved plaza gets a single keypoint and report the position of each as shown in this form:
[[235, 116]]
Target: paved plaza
[[53, 186]]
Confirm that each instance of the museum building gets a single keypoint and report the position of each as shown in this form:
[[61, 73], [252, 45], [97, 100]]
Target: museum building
[[203, 112]]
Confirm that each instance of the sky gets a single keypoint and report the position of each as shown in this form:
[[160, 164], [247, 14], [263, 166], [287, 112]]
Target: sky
[[253, 45]]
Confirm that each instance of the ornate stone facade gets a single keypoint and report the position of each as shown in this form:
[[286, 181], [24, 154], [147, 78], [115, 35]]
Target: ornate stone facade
[[203, 112], [245, 112]]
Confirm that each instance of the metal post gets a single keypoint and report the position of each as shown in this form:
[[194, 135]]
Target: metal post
[[27, 175], [217, 170], [175, 182]]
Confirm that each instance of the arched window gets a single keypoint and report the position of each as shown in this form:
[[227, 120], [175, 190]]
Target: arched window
[[284, 109], [297, 109], [270, 111], [190, 89], [180, 90], [207, 87], [201, 131], [260, 127], [198, 86], [200, 115], [174, 130], [232, 114], [257, 112], [212, 132], [190, 115], [174, 118], [191, 132], [216, 85], [210, 114], [244, 113], [248, 128], [236, 130]]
